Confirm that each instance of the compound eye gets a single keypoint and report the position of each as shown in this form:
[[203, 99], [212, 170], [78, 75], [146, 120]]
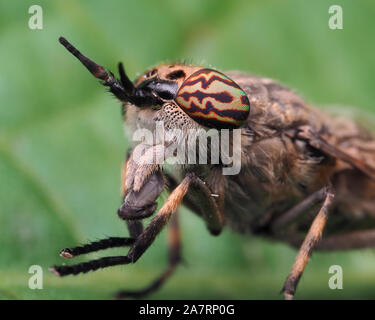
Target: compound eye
[[213, 100]]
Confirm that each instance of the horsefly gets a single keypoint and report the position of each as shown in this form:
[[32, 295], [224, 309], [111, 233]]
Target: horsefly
[[240, 151]]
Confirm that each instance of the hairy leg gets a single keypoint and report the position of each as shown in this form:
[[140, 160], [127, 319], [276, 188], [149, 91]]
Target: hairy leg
[[174, 244], [313, 236], [143, 242], [112, 242], [205, 202]]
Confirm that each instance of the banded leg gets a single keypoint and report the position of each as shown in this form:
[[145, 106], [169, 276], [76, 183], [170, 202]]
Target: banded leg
[[112, 242], [205, 202], [142, 243], [313, 236], [174, 244], [137, 205], [161, 218], [89, 266]]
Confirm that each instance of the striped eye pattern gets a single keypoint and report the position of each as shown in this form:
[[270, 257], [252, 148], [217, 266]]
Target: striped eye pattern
[[213, 100]]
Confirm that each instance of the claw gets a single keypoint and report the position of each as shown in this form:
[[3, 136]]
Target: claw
[[54, 271], [66, 253], [288, 296]]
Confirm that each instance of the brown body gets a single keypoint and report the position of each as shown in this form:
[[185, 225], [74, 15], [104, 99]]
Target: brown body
[[302, 172], [279, 170]]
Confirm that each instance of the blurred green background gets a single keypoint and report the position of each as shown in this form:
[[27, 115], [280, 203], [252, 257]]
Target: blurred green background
[[62, 141]]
